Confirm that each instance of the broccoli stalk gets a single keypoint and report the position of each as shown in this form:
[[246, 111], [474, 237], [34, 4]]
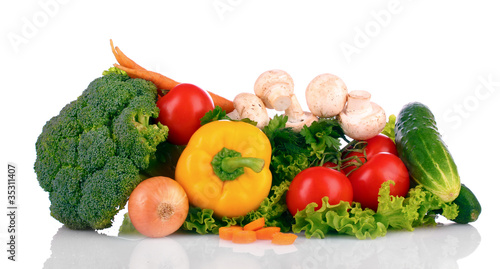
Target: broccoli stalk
[[98, 149]]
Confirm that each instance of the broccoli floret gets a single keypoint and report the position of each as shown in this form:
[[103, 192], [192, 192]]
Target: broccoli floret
[[106, 192], [95, 149], [94, 153], [135, 136], [66, 195]]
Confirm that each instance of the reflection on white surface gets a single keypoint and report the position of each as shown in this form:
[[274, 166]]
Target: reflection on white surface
[[259, 248], [432, 247], [159, 253]]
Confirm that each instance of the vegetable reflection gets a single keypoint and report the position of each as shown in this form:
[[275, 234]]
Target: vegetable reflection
[[427, 247]]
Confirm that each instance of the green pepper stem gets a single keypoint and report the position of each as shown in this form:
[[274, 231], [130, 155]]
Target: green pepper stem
[[230, 164]]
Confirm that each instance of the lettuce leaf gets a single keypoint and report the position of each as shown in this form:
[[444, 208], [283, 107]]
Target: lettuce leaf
[[341, 219], [389, 127], [285, 167], [416, 209], [201, 221]]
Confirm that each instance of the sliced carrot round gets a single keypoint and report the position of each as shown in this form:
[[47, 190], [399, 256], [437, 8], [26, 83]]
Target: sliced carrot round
[[244, 237], [267, 233], [255, 225], [283, 238], [226, 233]]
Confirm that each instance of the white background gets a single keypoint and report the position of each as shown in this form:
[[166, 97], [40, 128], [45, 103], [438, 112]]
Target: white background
[[445, 54]]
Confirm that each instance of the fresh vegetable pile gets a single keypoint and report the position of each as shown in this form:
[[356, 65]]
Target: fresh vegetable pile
[[184, 158]]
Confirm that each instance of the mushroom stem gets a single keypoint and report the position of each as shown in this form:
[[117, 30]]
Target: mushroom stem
[[294, 111], [358, 102], [278, 96], [297, 118]]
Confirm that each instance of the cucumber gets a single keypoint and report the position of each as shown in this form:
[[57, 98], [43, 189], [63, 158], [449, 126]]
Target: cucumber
[[469, 207], [424, 153]]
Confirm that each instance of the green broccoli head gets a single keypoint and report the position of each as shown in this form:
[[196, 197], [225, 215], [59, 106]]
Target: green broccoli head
[[92, 155]]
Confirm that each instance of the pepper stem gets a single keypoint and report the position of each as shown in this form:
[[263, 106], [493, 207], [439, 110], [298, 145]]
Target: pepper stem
[[230, 164]]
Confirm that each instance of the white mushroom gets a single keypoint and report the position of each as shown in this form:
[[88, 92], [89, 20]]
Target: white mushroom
[[274, 87], [326, 95], [297, 118], [361, 119], [248, 105]]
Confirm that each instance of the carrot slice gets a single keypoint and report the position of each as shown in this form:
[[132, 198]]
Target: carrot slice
[[283, 238], [244, 237], [226, 233], [255, 225], [267, 233]]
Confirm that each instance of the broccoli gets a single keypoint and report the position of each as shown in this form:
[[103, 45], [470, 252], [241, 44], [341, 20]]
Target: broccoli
[[96, 151]]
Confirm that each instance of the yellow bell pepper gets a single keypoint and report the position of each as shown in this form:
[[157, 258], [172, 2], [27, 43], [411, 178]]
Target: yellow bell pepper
[[225, 167]]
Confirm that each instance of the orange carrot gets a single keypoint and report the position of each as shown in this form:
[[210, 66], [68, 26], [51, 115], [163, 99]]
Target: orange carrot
[[267, 233], [165, 83], [226, 233], [158, 79], [123, 59], [224, 103], [244, 237], [162, 82], [255, 225], [283, 238]]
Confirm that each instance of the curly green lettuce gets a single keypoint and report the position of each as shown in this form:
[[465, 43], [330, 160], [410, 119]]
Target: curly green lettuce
[[389, 127], [392, 213]]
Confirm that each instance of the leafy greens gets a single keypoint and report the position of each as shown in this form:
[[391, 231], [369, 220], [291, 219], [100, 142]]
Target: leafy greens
[[393, 212]]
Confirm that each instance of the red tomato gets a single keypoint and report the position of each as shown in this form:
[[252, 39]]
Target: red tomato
[[377, 144], [314, 183], [181, 110], [380, 143], [368, 178]]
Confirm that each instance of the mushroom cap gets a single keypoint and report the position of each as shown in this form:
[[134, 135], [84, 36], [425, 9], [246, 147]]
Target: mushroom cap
[[250, 106], [307, 119], [363, 126], [326, 95], [274, 87]]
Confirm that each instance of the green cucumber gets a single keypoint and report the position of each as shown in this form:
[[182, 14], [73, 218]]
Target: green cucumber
[[424, 153], [469, 207]]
